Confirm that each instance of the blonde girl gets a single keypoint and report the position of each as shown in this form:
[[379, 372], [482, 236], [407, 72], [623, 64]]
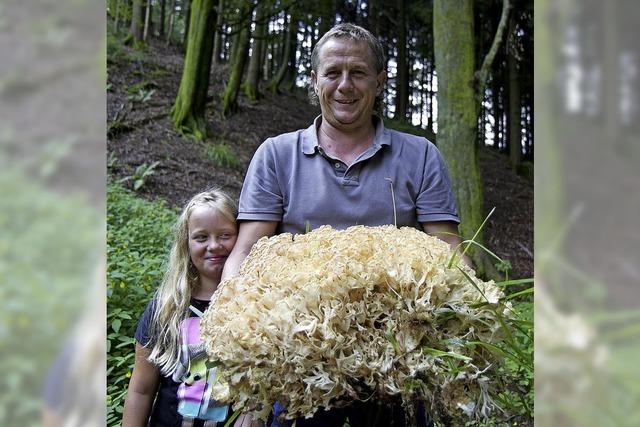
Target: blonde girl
[[164, 375]]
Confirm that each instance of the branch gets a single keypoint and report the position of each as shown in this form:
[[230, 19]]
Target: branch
[[480, 76]]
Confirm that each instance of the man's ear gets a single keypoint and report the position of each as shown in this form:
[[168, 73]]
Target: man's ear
[[381, 79], [314, 81]]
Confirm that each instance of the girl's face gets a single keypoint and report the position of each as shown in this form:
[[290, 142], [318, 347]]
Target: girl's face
[[211, 238]]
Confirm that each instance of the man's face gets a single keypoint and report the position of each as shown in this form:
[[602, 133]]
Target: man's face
[[347, 83]]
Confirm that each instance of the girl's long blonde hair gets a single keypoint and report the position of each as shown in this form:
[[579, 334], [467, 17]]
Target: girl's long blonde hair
[[181, 278]]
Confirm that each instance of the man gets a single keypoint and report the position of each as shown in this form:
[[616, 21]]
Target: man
[[347, 168]]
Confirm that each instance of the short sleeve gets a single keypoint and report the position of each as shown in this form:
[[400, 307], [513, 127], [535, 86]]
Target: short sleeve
[[261, 197], [436, 201], [143, 330]]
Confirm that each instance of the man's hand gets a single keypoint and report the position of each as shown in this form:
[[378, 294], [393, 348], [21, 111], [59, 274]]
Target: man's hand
[[447, 231], [248, 234]]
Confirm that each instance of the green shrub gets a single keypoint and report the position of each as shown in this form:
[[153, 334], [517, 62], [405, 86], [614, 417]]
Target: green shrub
[[222, 155], [138, 234]]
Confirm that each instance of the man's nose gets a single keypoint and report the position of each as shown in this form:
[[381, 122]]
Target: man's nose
[[345, 81]]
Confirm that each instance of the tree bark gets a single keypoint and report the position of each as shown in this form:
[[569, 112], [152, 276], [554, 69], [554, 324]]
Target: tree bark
[[137, 20], [481, 75], [458, 112], [189, 108], [373, 17], [187, 23], [217, 41], [515, 112], [289, 44], [253, 74], [172, 14], [163, 6], [239, 59], [402, 77], [147, 19]]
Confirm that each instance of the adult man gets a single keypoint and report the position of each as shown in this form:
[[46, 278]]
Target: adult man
[[346, 168]]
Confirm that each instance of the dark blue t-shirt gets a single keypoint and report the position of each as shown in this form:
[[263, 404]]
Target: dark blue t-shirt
[[165, 408]]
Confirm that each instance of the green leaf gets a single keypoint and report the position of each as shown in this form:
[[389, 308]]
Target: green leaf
[[115, 325], [437, 352]]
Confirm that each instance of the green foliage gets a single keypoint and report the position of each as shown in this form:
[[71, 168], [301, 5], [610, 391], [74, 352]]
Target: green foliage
[[49, 247], [222, 155], [138, 234], [140, 175], [115, 48]]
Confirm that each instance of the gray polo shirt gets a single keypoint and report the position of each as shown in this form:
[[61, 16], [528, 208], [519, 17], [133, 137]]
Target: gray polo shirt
[[291, 180]]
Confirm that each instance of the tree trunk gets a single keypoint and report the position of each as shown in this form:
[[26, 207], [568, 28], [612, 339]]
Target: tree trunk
[[373, 17], [172, 15], [217, 41], [187, 23], [137, 24], [239, 59], [147, 20], [163, 5], [189, 108], [497, 113], [289, 44], [515, 112], [458, 112], [253, 74], [264, 61], [402, 77]]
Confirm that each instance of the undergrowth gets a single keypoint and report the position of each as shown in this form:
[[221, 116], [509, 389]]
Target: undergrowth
[[137, 243]]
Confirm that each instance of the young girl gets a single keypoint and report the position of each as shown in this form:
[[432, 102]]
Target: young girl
[[170, 380]]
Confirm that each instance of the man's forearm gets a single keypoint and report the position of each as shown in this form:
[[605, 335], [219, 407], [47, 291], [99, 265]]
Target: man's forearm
[[233, 263], [249, 232]]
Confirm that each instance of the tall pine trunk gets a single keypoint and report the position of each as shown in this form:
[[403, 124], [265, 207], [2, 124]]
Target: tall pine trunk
[[402, 63], [137, 20], [239, 59], [163, 7], [147, 20], [188, 4], [458, 111], [189, 108], [289, 44], [253, 74], [217, 41], [515, 136], [172, 15]]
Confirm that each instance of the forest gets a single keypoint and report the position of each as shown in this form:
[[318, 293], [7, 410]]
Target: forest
[[195, 86]]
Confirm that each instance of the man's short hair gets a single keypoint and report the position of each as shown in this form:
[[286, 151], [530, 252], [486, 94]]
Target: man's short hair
[[358, 34]]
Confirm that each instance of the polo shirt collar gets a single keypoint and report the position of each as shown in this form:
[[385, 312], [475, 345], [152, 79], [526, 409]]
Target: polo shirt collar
[[310, 135]]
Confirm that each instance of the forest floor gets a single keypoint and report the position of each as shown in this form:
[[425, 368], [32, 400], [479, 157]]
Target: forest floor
[[141, 90]]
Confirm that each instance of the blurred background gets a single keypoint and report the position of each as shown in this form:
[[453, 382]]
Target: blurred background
[[587, 106], [52, 212], [53, 222]]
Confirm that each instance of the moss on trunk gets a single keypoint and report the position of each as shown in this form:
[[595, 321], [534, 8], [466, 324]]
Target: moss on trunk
[[189, 108], [230, 94], [458, 111]]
